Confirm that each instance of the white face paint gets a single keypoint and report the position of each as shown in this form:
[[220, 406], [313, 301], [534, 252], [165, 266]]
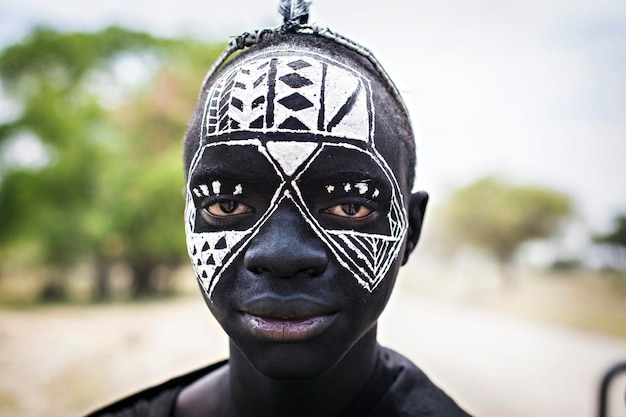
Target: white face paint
[[217, 187], [362, 187], [328, 108]]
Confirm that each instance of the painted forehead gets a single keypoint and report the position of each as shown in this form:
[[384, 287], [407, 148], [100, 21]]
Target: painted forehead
[[278, 93]]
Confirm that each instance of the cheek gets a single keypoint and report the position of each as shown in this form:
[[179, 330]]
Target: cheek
[[369, 257], [211, 253]]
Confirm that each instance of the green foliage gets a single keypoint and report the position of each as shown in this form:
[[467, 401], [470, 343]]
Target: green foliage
[[613, 245], [62, 60], [111, 189], [498, 216], [618, 236]]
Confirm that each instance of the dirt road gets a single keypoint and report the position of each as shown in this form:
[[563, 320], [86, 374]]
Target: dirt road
[[501, 366]]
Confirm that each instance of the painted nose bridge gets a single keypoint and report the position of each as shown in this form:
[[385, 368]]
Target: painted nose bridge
[[286, 246]]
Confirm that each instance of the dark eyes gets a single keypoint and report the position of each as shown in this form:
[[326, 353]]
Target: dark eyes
[[228, 208], [229, 211], [349, 210], [220, 211]]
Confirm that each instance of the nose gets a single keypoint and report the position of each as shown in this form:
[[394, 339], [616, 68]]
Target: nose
[[286, 246]]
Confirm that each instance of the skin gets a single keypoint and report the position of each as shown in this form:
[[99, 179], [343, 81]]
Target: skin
[[285, 276]]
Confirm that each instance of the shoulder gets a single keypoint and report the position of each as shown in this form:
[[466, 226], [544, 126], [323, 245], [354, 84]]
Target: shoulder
[[157, 401], [412, 393]]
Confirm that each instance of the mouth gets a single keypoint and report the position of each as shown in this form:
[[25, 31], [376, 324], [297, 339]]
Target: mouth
[[291, 319], [285, 329]]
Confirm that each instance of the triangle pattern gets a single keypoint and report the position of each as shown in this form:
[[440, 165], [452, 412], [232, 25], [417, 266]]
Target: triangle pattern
[[290, 155]]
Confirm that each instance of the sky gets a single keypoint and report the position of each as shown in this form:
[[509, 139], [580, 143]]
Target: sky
[[533, 91]]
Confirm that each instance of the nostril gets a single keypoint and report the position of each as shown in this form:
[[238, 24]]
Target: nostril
[[258, 270]]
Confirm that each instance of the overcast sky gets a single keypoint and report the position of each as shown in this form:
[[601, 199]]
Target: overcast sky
[[528, 89]]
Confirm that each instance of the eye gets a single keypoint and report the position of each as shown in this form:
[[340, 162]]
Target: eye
[[220, 213], [349, 210], [227, 208]]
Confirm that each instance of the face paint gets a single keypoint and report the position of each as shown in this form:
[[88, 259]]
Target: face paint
[[289, 117], [217, 187], [362, 187]]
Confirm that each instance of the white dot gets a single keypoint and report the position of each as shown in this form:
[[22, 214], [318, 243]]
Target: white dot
[[362, 187], [217, 187]]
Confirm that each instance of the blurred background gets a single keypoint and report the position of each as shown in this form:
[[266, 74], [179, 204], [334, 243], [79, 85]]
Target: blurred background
[[514, 302]]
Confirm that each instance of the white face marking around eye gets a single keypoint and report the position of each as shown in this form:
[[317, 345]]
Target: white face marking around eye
[[217, 187], [205, 190], [238, 189], [330, 188], [362, 187], [376, 193], [347, 187]]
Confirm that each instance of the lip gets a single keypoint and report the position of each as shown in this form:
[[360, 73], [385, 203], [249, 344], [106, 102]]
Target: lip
[[286, 319], [287, 330]]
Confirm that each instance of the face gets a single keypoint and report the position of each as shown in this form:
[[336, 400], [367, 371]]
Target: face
[[294, 219]]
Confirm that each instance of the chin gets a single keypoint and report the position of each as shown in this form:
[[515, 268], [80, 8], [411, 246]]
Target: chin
[[302, 371], [292, 363]]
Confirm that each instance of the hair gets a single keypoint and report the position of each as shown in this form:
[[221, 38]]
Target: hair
[[391, 123]]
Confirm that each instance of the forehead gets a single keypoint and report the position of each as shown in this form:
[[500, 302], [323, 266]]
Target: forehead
[[282, 94]]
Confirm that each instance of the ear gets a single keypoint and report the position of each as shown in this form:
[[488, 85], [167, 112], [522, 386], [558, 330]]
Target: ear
[[417, 210]]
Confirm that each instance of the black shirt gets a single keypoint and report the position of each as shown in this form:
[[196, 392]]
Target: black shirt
[[397, 388]]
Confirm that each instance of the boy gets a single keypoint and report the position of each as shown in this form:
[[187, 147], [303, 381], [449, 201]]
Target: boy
[[300, 161]]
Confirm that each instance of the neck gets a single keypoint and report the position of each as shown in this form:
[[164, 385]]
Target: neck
[[254, 394]]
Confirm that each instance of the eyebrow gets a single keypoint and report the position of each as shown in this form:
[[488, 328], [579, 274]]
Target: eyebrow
[[343, 175], [249, 175]]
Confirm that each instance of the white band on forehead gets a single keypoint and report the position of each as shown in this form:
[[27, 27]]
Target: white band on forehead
[[295, 93]]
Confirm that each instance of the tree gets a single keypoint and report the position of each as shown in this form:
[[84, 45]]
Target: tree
[[615, 242], [110, 189], [46, 206], [499, 217]]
